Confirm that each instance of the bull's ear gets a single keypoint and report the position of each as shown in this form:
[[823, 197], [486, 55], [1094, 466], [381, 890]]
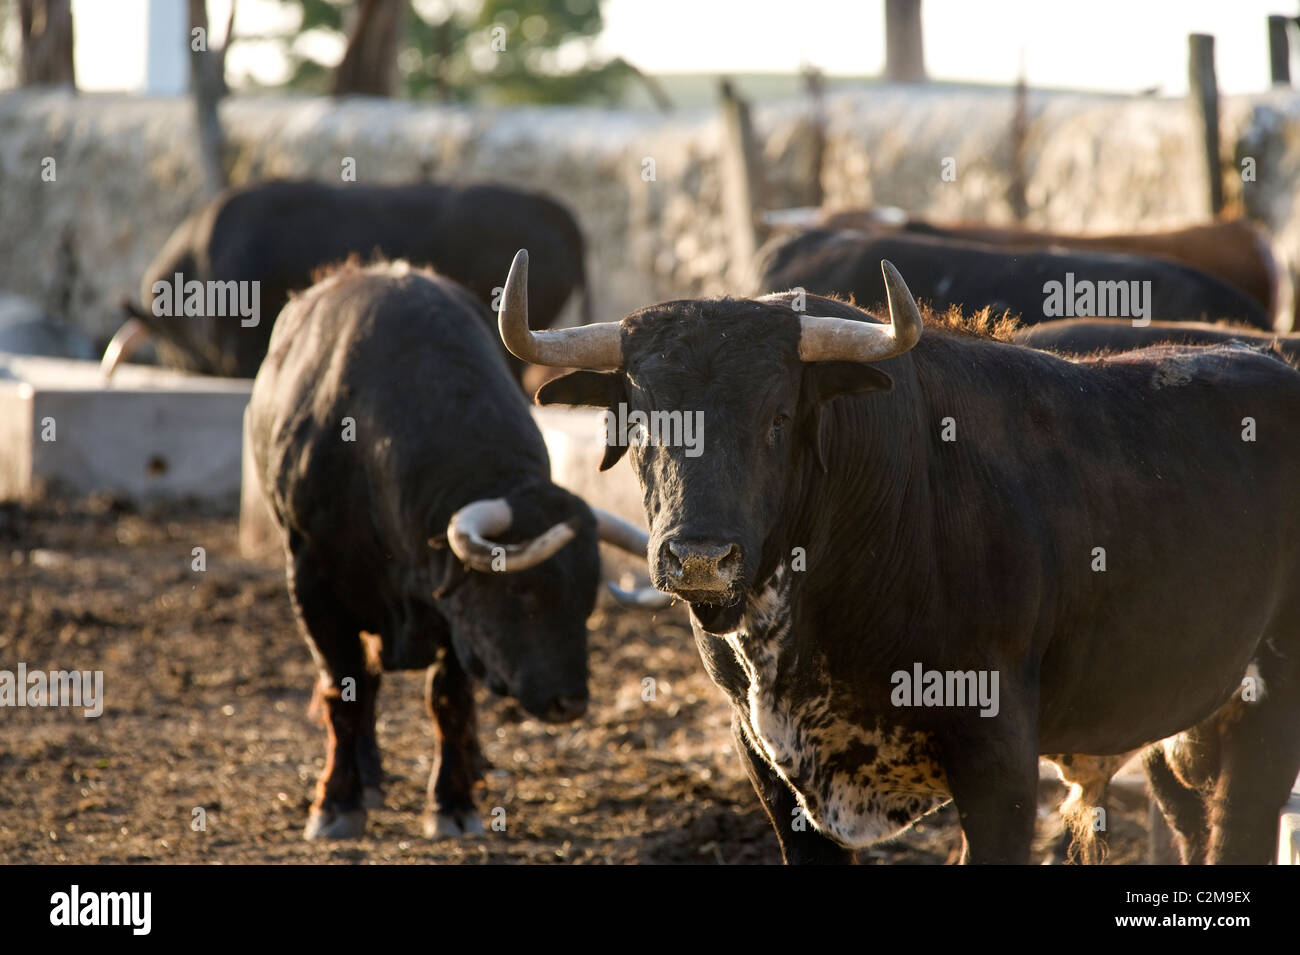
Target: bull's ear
[[594, 389], [830, 379], [454, 573]]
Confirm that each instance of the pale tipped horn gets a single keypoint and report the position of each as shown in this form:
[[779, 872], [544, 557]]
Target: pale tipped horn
[[624, 535], [842, 339], [126, 341], [470, 530], [641, 598], [586, 346]]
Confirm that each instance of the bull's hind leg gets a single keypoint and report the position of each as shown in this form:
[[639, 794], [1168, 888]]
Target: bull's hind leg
[[1179, 770], [369, 763], [337, 812], [369, 760], [1259, 759], [458, 768]]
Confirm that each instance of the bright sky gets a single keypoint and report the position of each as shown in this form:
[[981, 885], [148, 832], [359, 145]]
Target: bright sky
[[1118, 45]]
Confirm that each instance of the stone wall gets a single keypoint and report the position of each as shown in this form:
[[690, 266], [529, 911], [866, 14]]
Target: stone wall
[[126, 173]]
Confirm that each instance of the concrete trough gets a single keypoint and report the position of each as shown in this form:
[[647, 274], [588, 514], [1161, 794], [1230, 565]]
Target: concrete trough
[[146, 434]]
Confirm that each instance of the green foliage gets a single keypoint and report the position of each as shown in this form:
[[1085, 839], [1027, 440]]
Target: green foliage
[[506, 51], [329, 16]]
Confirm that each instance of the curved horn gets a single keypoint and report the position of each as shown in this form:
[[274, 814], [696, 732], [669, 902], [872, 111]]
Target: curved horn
[[469, 537], [641, 598], [842, 339], [586, 346], [126, 341], [624, 535]]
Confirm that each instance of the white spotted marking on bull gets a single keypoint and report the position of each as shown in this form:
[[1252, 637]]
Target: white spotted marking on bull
[[856, 784]]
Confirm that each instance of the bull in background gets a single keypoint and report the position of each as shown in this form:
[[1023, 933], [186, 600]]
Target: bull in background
[[281, 233], [414, 494], [970, 275], [882, 499], [1235, 250]]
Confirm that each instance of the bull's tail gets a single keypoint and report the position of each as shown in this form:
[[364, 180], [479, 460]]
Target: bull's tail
[[1084, 808], [1087, 846]]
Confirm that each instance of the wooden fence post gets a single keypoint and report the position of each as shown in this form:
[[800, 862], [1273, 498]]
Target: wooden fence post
[[1204, 91], [1279, 50], [904, 43], [814, 82], [741, 178]]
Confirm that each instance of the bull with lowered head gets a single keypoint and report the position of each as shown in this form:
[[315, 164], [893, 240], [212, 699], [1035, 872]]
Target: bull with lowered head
[[414, 494], [878, 503], [243, 253]]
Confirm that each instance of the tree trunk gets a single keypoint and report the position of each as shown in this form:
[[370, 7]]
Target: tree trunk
[[369, 66], [223, 88], [207, 86], [46, 42], [904, 51], [1279, 50]]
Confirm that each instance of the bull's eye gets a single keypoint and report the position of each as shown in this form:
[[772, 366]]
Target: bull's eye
[[779, 425]]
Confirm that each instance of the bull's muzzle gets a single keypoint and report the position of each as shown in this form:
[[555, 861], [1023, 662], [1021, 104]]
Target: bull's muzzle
[[694, 568]]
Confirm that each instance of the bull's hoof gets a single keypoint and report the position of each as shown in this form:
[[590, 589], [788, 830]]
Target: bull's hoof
[[372, 797], [326, 823], [452, 824]]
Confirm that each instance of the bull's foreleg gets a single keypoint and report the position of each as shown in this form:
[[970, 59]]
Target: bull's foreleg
[[801, 844], [337, 812], [993, 778], [458, 768]]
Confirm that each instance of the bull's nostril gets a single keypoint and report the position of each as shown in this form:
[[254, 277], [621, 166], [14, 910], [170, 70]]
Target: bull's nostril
[[700, 564], [700, 552]]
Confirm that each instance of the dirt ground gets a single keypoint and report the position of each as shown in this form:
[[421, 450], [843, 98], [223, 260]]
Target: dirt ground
[[207, 685]]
